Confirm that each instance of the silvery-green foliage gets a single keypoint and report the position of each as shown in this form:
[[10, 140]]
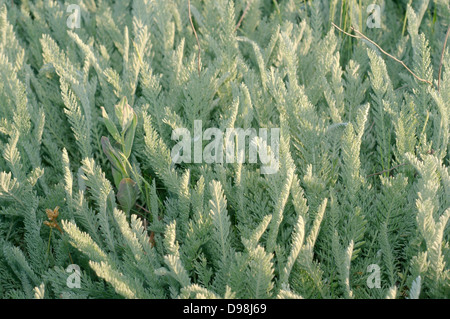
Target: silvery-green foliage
[[363, 174]]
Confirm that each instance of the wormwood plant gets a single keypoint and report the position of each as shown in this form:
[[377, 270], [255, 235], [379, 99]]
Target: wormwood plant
[[358, 208]]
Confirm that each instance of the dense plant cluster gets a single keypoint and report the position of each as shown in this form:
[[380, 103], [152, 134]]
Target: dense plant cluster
[[87, 179]]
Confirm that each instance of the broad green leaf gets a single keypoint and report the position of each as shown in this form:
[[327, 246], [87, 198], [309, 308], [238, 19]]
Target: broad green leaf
[[111, 127], [127, 194], [125, 114], [113, 155], [129, 137]]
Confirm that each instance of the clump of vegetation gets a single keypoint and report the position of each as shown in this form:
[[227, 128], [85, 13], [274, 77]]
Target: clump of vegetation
[[358, 207]]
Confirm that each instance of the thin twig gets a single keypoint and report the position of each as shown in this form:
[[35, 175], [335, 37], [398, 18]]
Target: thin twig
[[243, 15], [143, 208], [196, 37], [387, 170], [351, 35], [391, 56], [442, 57], [362, 36]]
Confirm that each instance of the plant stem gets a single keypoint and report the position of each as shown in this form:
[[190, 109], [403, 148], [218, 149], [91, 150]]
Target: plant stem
[[442, 58], [362, 36], [243, 15], [49, 240], [196, 37]]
